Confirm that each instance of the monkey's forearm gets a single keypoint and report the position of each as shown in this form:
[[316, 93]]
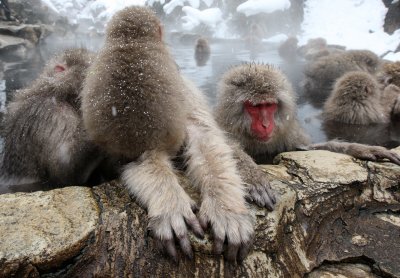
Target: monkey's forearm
[[356, 150], [153, 182], [212, 168]]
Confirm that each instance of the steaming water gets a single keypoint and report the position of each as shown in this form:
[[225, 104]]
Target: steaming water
[[224, 54]]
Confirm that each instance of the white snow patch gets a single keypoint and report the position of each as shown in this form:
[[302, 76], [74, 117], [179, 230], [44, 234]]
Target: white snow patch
[[253, 7]]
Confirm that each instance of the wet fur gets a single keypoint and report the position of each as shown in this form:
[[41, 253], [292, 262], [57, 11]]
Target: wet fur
[[202, 52], [321, 74], [355, 99]]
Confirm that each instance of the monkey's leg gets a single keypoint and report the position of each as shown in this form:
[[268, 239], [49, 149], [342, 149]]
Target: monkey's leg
[[212, 168], [256, 182], [153, 182]]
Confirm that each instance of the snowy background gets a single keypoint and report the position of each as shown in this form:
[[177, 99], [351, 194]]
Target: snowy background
[[356, 24]]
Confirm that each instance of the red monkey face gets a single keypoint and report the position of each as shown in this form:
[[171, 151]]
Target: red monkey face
[[262, 118]]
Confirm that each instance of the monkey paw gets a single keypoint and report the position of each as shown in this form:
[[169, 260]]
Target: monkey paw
[[373, 153], [261, 193], [170, 226], [259, 189], [230, 225]]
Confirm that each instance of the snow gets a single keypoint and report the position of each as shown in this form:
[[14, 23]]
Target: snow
[[253, 7], [210, 17], [356, 24]]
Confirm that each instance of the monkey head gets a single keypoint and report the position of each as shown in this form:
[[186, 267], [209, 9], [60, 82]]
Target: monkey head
[[365, 59], [132, 23], [355, 99], [390, 73], [254, 101]]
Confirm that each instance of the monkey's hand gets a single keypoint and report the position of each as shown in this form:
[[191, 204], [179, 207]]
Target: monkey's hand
[[168, 225], [258, 188], [373, 153], [360, 151], [231, 223]]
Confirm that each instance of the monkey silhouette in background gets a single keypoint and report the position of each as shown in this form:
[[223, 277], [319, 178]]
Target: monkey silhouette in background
[[317, 48], [44, 138], [137, 106], [321, 74], [288, 50], [202, 52], [256, 106]]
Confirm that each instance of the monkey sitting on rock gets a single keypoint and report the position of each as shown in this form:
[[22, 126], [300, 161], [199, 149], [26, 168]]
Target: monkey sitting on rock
[[256, 106], [43, 133], [137, 106]]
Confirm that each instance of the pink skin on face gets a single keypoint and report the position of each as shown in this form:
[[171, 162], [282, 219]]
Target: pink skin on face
[[59, 68], [262, 118]]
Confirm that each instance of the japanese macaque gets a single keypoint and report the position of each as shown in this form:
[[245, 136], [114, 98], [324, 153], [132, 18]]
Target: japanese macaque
[[44, 138], [136, 105], [357, 99], [318, 47], [202, 52], [288, 50], [257, 107], [321, 74], [390, 73]]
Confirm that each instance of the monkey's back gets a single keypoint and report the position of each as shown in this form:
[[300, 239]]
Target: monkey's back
[[355, 99], [134, 99]]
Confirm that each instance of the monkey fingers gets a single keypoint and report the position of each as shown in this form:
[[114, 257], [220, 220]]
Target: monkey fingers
[[386, 154], [165, 228], [262, 195], [228, 227]]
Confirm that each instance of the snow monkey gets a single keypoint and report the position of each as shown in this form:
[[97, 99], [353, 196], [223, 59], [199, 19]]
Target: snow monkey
[[321, 74], [256, 106], [357, 99], [288, 50], [202, 52], [136, 105], [44, 139]]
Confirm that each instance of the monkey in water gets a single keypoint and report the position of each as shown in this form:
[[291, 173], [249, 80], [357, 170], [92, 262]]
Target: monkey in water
[[202, 52], [357, 99], [288, 50], [44, 138], [137, 106], [256, 106], [317, 48], [321, 74]]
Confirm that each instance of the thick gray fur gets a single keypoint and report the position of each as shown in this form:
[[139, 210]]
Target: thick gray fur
[[44, 139]]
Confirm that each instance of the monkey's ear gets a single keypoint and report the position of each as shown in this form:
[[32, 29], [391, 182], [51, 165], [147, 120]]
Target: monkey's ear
[[59, 68]]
